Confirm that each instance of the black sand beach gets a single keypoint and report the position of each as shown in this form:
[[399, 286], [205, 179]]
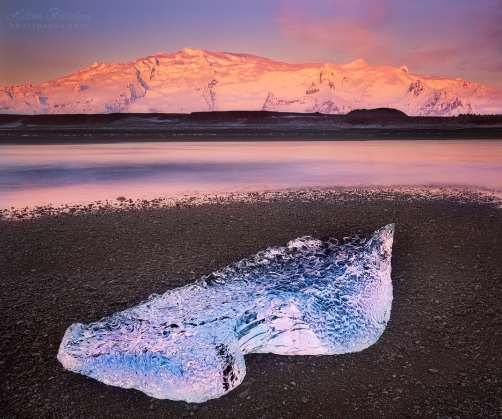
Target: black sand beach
[[439, 356]]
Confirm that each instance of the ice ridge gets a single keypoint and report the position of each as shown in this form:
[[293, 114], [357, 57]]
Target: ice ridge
[[310, 297]]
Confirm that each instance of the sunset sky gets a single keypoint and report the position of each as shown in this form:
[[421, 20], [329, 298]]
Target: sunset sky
[[454, 38]]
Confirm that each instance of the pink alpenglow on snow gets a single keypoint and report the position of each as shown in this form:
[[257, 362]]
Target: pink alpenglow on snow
[[194, 80]]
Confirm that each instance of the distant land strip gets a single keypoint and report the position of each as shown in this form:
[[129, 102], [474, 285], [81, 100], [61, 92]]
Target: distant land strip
[[360, 124]]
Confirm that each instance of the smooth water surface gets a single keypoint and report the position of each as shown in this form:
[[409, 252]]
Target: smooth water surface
[[59, 174]]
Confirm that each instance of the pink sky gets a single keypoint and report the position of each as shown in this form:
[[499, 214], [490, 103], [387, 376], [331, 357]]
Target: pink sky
[[453, 38]]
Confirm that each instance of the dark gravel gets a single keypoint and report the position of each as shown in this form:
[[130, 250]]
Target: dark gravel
[[439, 356]]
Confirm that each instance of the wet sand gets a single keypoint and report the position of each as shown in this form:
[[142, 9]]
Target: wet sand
[[438, 357]]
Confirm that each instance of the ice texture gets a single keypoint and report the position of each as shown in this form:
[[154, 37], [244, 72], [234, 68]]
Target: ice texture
[[308, 298]]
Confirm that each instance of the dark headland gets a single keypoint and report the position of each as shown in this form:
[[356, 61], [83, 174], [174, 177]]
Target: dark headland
[[360, 124], [377, 113], [439, 356]]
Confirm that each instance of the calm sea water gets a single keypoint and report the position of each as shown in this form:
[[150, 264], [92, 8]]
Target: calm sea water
[[59, 174]]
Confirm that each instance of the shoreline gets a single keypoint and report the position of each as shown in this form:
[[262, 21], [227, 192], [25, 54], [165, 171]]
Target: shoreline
[[437, 357], [123, 204], [110, 136]]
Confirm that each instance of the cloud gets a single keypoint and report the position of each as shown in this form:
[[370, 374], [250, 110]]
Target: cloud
[[432, 56], [427, 35], [348, 29]]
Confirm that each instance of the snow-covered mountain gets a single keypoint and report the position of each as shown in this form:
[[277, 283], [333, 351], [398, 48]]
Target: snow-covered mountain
[[197, 80]]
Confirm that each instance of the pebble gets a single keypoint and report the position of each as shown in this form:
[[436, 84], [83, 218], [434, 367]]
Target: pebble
[[244, 394], [433, 371], [305, 400]]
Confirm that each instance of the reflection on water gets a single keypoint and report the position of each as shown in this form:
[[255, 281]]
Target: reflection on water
[[58, 174]]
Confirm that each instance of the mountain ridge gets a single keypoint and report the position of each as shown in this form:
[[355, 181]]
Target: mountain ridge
[[196, 80]]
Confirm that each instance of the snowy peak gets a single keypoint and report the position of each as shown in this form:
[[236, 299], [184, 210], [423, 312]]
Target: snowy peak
[[193, 52], [356, 64], [198, 80]]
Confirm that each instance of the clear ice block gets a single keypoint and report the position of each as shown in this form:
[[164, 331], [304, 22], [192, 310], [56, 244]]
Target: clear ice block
[[308, 298]]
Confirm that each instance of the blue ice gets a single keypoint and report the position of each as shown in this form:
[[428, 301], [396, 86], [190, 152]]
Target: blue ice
[[308, 298]]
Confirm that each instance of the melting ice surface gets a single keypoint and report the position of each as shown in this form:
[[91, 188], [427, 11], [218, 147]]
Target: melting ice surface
[[308, 298]]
